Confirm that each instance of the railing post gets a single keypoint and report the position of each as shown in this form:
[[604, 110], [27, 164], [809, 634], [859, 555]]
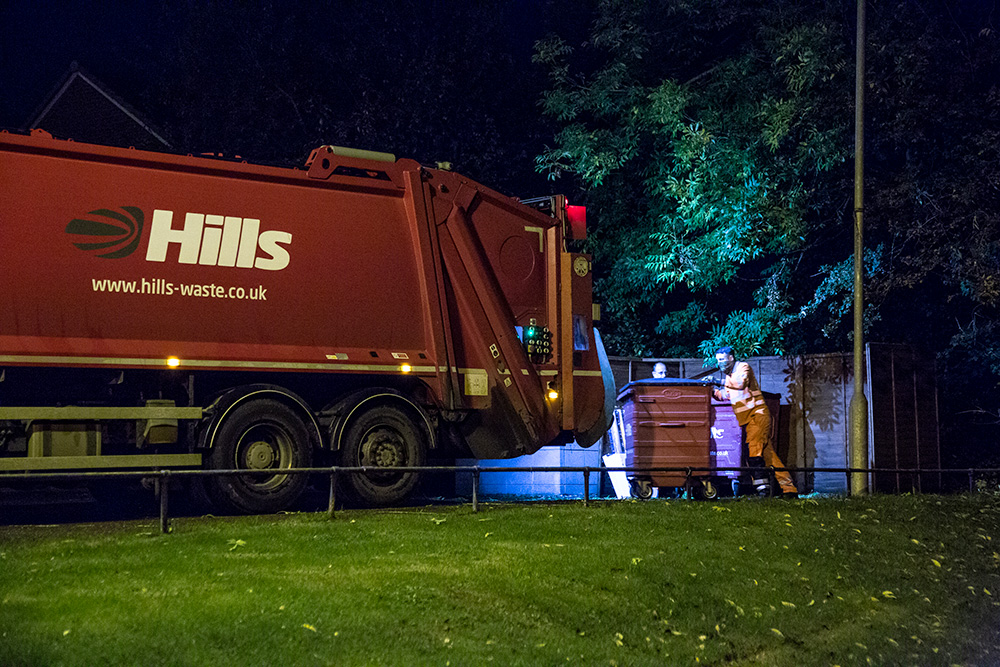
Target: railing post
[[687, 484], [162, 484], [333, 493], [586, 486], [475, 489], [972, 484]]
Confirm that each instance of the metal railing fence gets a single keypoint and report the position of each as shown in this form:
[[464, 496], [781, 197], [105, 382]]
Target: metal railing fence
[[162, 477]]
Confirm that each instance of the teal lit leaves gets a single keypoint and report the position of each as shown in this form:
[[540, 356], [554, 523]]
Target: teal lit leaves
[[116, 233]]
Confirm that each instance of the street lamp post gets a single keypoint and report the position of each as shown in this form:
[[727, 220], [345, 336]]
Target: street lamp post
[[859, 403]]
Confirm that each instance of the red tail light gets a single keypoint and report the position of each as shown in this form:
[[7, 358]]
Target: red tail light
[[577, 217]]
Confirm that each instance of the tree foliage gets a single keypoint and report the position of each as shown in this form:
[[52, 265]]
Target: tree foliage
[[714, 140]]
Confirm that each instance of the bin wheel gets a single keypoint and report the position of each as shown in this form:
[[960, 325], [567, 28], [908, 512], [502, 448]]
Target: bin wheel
[[641, 488], [705, 489]]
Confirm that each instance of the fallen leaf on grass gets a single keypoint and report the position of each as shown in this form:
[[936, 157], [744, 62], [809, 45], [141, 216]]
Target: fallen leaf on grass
[[777, 632], [935, 562], [309, 627], [439, 521], [236, 543], [889, 594], [788, 604]]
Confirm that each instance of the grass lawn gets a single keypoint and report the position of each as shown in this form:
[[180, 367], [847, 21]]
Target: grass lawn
[[911, 580]]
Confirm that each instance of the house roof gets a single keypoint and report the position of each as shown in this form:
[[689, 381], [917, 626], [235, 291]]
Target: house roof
[[83, 109]]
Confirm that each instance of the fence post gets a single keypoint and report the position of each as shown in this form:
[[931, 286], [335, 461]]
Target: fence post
[[475, 489], [586, 486], [687, 484], [972, 484], [162, 484], [333, 493]]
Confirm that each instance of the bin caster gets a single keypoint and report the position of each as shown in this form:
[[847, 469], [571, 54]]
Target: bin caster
[[706, 490], [641, 488]]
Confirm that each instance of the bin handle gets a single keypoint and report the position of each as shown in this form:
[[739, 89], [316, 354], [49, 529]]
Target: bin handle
[[646, 399], [664, 424]]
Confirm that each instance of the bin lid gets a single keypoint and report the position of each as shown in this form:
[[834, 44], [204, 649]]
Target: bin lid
[[658, 382]]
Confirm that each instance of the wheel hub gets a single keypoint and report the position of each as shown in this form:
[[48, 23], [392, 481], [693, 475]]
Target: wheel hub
[[383, 449], [260, 455]]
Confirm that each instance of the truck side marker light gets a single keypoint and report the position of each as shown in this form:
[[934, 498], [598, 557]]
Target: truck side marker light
[[400, 355], [507, 382], [551, 392], [406, 368], [173, 362]]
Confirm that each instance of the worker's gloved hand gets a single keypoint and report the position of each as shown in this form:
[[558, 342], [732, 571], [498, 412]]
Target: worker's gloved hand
[[712, 380]]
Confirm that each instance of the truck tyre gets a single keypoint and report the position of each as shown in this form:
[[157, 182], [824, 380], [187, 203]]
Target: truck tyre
[[264, 435], [383, 436]]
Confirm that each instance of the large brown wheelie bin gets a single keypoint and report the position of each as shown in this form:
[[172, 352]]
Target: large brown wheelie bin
[[667, 425]]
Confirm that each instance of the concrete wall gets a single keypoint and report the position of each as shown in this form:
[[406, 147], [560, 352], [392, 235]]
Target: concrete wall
[[517, 483]]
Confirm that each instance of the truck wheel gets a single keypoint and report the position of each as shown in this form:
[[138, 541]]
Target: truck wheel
[[382, 437], [261, 435]]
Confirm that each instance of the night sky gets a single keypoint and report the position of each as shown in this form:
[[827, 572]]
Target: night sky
[[428, 80], [39, 40]]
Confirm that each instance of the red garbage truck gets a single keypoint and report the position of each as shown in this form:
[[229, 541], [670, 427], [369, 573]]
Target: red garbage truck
[[168, 311]]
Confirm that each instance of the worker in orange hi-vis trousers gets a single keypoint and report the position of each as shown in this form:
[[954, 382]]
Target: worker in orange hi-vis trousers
[[751, 412]]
